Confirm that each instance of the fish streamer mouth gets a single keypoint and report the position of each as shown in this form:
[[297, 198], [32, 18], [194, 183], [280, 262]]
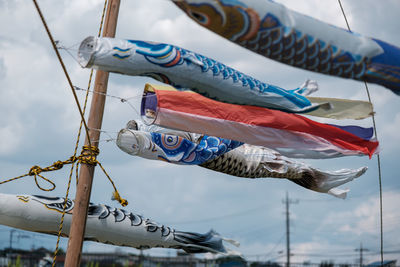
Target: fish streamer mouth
[[128, 142], [86, 51]]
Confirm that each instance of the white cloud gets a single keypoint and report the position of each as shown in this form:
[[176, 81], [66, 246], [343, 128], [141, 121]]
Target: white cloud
[[11, 138], [39, 120], [391, 132], [364, 219], [3, 69]]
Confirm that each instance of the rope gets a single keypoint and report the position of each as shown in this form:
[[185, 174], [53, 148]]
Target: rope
[[88, 156], [69, 53], [116, 195], [76, 148], [34, 171], [54, 44], [378, 156], [110, 138], [89, 153]]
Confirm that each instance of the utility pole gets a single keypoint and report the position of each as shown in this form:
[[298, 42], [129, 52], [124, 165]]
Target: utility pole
[[12, 231], [361, 249], [288, 201], [86, 173]]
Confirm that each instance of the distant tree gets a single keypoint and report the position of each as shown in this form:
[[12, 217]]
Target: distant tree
[[326, 264], [225, 261], [231, 259], [265, 264]]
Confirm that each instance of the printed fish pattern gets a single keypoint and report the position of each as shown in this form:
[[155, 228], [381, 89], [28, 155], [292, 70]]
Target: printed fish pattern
[[186, 70], [273, 31], [104, 224], [173, 148], [250, 161]]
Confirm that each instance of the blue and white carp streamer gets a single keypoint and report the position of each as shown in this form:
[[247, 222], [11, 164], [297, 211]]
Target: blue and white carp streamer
[[188, 70], [104, 224], [246, 161], [173, 148], [271, 30]]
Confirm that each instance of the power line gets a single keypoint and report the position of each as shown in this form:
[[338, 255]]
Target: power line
[[377, 156], [269, 252], [361, 250], [219, 217]]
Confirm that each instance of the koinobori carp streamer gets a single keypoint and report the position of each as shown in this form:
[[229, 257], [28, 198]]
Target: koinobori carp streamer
[[104, 224], [188, 70], [292, 135], [173, 148], [245, 161], [272, 30], [249, 161]]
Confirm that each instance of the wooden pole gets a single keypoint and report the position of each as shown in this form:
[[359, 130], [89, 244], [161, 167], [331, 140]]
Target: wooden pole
[[84, 186]]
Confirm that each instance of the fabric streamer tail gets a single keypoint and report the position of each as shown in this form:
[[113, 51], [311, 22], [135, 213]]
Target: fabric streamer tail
[[200, 243], [307, 88], [342, 108], [328, 181], [258, 162]]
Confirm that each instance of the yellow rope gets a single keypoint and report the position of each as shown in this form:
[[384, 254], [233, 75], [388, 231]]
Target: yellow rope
[[116, 195], [88, 156], [82, 123]]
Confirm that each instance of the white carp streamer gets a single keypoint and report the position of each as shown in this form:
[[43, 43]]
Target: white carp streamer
[[245, 161], [104, 224]]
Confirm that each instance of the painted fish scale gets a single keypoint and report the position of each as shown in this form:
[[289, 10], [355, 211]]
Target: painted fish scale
[[188, 70], [256, 162], [259, 162], [296, 49], [271, 30], [172, 148], [233, 164]]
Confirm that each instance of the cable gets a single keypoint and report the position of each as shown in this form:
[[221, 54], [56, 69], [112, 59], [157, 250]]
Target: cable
[[219, 217], [269, 252], [108, 133], [53, 43], [123, 100], [378, 156]]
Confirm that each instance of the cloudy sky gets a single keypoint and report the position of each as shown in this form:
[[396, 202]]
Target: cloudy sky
[[39, 121]]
